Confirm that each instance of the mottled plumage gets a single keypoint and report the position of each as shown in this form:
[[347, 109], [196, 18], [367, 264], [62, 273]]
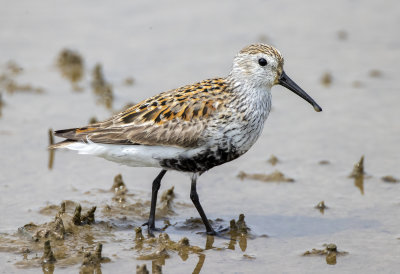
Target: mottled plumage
[[173, 118], [192, 128]]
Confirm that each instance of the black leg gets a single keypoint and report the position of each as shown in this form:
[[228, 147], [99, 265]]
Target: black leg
[[154, 192], [195, 199]]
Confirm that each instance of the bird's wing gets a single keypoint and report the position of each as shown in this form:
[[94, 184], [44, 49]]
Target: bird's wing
[[173, 118]]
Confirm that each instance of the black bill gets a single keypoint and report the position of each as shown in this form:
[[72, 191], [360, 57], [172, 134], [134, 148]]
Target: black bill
[[285, 81]]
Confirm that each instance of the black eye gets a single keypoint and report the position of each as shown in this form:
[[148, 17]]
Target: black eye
[[262, 62]]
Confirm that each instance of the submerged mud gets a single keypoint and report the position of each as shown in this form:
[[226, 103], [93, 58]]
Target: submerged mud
[[11, 84], [71, 65], [330, 252], [273, 160], [321, 207], [390, 179], [359, 175], [275, 176], [75, 236], [101, 88], [63, 242], [360, 116]]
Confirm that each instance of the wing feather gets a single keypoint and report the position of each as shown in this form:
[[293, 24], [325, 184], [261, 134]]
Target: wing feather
[[173, 118]]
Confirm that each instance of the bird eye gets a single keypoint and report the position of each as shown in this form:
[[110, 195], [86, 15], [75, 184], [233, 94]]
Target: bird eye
[[262, 62]]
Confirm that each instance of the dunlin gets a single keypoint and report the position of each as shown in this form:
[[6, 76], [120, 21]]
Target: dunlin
[[193, 128]]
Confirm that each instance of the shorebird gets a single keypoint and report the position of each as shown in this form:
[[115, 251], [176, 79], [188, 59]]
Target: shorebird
[[193, 128]]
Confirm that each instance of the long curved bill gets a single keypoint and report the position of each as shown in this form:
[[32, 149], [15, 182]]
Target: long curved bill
[[288, 83]]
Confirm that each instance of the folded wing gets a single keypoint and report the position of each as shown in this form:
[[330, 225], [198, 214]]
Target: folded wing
[[174, 118]]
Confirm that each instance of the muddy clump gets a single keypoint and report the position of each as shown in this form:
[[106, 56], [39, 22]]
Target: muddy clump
[[390, 179], [239, 233], [66, 205], [93, 120], [101, 88], [8, 80], [141, 269], [129, 81], [358, 169], [326, 79], [119, 188], [118, 184], [88, 217], [324, 162], [92, 260], [273, 160], [13, 68], [122, 206], [321, 207], [358, 174], [160, 248], [375, 73], [196, 223], [275, 176], [166, 202], [62, 224], [71, 237], [330, 252], [71, 65], [51, 230], [83, 219], [48, 260], [48, 256]]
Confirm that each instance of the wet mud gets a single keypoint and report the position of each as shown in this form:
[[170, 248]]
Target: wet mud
[[390, 179], [71, 65], [330, 252], [326, 79], [10, 83], [66, 240], [275, 176], [273, 160], [321, 207], [358, 174], [64, 215], [75, 236], [101, 88]]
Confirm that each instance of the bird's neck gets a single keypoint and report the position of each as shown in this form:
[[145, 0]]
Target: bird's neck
[[252, 100]]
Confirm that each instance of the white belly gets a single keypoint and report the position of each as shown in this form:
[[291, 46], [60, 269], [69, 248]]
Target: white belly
[[131, 155]]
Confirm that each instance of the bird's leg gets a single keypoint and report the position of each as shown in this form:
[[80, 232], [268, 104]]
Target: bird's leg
[[195, 199], [154, 192]]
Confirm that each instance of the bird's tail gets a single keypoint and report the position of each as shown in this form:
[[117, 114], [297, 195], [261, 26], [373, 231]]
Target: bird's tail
[[62, 144]]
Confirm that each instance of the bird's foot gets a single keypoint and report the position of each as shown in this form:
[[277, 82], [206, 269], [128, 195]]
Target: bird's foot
[[220, 233], [151, 229]]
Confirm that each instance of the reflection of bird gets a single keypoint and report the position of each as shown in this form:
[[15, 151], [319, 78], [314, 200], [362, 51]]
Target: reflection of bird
[[192, 128]]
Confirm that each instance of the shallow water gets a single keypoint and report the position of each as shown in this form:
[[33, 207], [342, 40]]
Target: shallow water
[[179, 43]]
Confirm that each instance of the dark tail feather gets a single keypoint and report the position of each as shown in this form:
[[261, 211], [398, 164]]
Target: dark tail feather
[[65, 133]]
